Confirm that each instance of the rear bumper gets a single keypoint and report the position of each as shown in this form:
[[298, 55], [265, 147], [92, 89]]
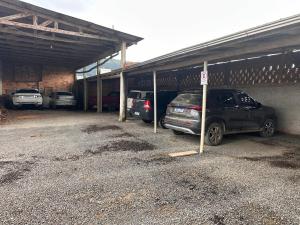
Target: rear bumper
[[189, 126], [65, 102], [182, 129], [142, 115]]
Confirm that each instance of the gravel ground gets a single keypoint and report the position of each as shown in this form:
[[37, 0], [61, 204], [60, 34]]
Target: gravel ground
[[83, 168]]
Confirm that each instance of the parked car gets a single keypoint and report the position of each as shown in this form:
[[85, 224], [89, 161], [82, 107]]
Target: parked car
[[135, 94], [62, 99], [27, 97], [228, 111], [110, 102], [144, 108]]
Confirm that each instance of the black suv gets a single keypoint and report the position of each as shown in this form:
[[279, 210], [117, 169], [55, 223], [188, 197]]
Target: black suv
[[144, 108], [228, 111]]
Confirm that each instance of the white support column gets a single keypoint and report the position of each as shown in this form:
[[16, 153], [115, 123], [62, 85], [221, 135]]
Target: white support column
[[155, 101], [203, 117], [1, 77], [99, 89], [123, 89], [85, 91]]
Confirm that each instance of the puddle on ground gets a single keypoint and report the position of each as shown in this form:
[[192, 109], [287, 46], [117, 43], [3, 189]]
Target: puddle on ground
[[95, 128]]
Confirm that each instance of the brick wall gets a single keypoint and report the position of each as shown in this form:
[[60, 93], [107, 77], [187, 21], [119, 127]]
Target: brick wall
[[43, 77]]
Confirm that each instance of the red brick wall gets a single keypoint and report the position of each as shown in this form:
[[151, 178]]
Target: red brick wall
[[43, 77]]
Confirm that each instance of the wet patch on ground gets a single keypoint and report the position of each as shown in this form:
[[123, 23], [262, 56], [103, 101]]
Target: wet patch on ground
[[249, 213], [288, 160], [11, 171], [154, 160], [67, 158], [289, 142], [122, 145], [122, 135], [193, 186], [218, 220], [96, 128]]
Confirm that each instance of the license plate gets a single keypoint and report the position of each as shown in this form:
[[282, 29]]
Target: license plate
[[137, 113], [178, 110]]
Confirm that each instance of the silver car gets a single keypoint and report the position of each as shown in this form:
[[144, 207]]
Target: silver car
[[62, 99], [27, 97]]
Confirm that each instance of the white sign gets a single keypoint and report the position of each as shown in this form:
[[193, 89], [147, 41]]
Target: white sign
[[204, 78]]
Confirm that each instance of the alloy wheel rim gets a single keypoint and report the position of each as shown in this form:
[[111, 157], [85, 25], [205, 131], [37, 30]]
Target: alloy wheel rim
[[215, 135], [269, 128]]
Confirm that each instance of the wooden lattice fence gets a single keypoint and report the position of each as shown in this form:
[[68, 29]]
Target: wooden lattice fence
[[264, 71]]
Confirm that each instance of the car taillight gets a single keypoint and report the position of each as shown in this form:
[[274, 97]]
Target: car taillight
[[147, 105], [196, 107]]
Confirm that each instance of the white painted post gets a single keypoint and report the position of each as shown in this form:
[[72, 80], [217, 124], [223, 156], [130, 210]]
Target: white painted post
[[203, 117], [122, 116], [99, 89], [155, 101], [85, 91]]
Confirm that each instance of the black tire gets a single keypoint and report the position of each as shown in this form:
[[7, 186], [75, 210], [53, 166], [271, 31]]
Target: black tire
[[147, 121], [176, 132], [214, 134], [268, 128], [162, 121]]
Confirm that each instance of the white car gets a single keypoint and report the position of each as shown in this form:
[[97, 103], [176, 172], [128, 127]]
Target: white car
[[62, 99], [27, 97], [135, 94]]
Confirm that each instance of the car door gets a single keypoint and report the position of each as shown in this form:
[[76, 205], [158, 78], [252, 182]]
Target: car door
[[247, 109], [230, 112]]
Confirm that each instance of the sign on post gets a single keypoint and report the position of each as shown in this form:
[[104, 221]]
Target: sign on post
[[204, 78]]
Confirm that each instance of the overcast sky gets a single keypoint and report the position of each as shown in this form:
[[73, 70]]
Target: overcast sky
[[169, 25]]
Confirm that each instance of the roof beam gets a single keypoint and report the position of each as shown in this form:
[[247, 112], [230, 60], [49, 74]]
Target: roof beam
[[49, 38], [54, 30], [46, 23], [15, 16]]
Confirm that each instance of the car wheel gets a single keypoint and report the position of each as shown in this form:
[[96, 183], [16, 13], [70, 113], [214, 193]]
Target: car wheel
[[147, 121], [162, 122], [214, 134], [176, 132], [268, 128]]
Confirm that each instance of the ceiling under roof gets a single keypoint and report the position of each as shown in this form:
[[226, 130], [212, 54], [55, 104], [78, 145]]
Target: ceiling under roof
[[31, 34]]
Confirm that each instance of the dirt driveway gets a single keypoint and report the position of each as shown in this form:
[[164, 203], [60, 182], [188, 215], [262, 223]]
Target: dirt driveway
[[83, 168]]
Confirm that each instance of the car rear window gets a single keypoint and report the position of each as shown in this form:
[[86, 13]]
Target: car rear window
[[64, 93], [27, 91], [188, 99], [134, 94]]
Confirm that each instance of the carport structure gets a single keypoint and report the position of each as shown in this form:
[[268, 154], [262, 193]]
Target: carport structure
[[39, 46], [264, 61]]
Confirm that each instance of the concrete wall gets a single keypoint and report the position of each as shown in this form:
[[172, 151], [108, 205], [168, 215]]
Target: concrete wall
[[43, 77], [285, 100]]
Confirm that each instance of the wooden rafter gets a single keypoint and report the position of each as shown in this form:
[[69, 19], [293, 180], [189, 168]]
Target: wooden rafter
[[46, 23], [16, 16], [54, 30]]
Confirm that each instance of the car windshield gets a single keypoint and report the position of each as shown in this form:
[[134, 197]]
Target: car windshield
[[188, 99], [27, 91], [64, 93]]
